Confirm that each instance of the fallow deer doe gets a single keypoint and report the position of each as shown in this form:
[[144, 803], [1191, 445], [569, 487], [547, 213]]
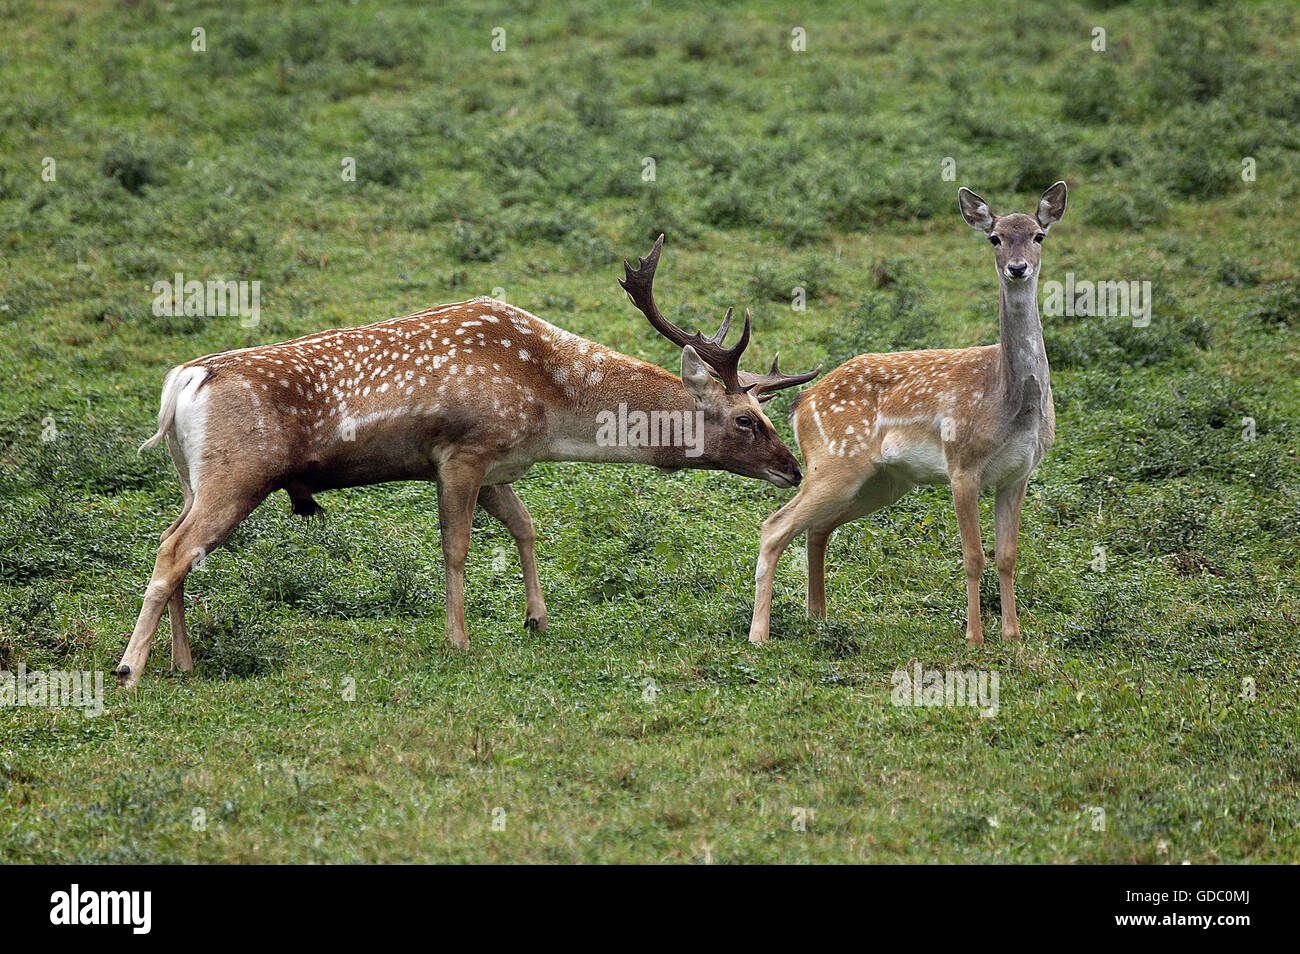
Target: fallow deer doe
[[469, 395], [975, 418]]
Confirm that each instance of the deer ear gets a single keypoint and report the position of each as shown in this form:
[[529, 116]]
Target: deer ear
[[974, 210], [695, 373], [1051, 206]]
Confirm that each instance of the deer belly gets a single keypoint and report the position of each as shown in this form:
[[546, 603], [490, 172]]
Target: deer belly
[[914, 458], [507, 471]]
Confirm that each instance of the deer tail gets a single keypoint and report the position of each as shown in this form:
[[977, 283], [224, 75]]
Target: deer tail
[[167, 411]]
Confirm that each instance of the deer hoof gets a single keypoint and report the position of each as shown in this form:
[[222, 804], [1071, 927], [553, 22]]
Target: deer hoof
[[123, 674], [535, 623]]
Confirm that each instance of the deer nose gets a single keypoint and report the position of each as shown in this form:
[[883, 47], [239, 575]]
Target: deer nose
[[798, 476], [1018, 269]]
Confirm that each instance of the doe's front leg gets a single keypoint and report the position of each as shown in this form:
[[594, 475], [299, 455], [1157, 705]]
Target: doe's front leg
[[966, 500], [1010, 502]]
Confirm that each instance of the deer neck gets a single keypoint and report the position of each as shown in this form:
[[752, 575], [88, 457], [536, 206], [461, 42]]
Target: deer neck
[[1023, 355], [636, 414]]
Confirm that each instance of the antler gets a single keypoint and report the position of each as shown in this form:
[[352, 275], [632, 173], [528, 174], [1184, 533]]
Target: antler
[[725, 362], [774, 380]]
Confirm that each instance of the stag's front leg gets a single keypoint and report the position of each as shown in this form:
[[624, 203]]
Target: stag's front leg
[[458, 486], [1010, 501], [817, 541], [966, 499], [502, 502]]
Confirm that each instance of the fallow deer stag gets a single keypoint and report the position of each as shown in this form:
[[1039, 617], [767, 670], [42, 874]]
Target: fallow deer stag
[[469, 395], [975, 418]]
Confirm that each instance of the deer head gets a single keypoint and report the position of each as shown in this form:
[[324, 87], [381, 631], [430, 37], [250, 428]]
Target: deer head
[[1017, 238], [737, 434]]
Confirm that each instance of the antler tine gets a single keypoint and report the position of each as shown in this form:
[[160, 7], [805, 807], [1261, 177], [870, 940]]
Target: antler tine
[[761, 384], [722, 331], [743, 343], [725, 362], [639, 283]]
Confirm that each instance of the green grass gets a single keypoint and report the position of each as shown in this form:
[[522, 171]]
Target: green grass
[[326, 720]]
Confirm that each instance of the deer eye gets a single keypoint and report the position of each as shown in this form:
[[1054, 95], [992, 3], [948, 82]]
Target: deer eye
[[745, 421], [995, 240], [1039, 238]]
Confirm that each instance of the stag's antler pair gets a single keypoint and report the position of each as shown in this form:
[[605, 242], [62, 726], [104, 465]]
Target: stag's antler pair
[[724, 362]]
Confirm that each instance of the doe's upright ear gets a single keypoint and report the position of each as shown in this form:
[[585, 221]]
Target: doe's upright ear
[[1051, 206], [695, 373], [975, 210]]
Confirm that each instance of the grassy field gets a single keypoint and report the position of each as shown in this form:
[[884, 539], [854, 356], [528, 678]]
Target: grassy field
[[1152, 713]]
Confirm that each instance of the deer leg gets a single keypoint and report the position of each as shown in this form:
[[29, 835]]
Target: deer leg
[[458, 488], [817, 540], [202, 530], [187, 492], [778, 530], [966, 499], [185, 512], [877, 491], [810, 507], [1010, 501], [181, 658], [502, 502]]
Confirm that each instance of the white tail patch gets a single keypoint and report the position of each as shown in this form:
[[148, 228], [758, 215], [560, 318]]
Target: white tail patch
[[166, 411]]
